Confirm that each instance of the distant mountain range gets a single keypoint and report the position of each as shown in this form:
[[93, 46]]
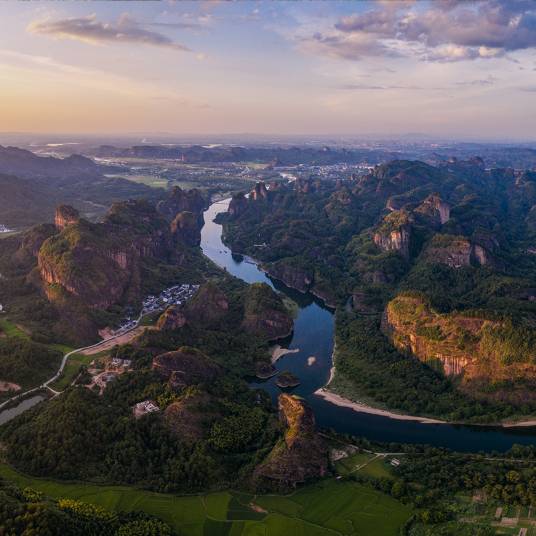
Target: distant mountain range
[[31, 186]]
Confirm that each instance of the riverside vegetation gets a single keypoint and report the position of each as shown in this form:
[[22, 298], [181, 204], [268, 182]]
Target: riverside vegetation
[[456, 238]]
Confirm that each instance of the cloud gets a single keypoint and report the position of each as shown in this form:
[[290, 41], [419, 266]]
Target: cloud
[[440, 30], [367, 87], [90, 30], [486, 82]]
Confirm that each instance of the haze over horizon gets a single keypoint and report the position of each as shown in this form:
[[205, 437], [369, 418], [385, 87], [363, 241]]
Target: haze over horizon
[[443, 68]]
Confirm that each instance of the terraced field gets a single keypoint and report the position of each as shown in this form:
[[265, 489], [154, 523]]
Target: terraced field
[[328, 508]]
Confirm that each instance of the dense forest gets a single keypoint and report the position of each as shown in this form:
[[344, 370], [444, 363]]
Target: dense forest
[[459, 235], [210, 431]]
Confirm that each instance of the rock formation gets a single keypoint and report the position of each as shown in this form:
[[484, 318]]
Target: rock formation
[[186, 229], [180, 200], [185, 366], [292, 273], [394, 234], [480, 350], [238, 204], [97, 263], [208, 306], [264, 313], [259, 192], [299, 456], [65, 215], [455, 251], [435, 209]]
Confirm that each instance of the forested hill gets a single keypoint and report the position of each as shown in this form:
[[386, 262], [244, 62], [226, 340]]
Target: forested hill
[[461, 236]]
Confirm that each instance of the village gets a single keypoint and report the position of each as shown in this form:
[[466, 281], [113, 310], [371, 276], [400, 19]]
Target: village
[[106, 369], [176, 295]]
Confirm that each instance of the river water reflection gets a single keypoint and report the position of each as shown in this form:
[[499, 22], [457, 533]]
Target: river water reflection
[[313, 336]]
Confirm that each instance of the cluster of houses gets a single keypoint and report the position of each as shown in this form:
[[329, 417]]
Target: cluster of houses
[[104, 372], [4, 229], [176, 295], [145, 407]]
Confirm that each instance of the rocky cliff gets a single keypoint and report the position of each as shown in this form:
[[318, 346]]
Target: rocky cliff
[[455, 251], [238, 205], [482, 351], [186, 228], [172, 318], [299, 456], [180, 200], [264, 313], [98, 263], [293, 273], [259, 192], [394, 233], [436, 210], [65, 215]]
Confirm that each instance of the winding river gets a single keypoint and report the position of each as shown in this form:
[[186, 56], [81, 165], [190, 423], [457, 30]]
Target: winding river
[[313, 337]]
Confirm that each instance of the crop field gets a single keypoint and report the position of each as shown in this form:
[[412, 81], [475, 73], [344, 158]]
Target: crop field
[[364, 464], [327, 508], [12, 330], [505, 519]]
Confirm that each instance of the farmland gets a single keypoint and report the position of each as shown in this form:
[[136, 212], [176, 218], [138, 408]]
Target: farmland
[[329, 507]]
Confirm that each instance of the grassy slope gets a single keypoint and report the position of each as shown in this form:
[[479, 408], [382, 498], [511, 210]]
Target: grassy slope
[[327, 508]]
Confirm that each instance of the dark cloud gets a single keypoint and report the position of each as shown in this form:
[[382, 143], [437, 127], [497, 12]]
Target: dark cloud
[[89, 29], [442, 30]]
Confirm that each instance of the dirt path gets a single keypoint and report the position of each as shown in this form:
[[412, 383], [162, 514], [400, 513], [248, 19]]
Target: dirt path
[[108, 344]]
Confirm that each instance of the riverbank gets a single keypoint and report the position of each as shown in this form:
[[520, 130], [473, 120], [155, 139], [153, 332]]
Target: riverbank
[[278, 352], [337, 399], [340, 401]]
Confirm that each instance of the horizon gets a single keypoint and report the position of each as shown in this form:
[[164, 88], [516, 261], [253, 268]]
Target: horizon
[[371, 69]]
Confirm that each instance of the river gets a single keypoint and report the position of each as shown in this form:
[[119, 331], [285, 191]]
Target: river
[[313, 336]]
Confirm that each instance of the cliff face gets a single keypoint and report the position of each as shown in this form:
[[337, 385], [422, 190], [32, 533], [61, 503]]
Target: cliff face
[[455, 251], [292, 274], [180, 200], [394, 234], [435, 209], [186, 366], [480, 350], [414, 328], [259, 192], [99, 263], [300, 456], [65, 215], [264, 313], [238, 205], [186, 229]]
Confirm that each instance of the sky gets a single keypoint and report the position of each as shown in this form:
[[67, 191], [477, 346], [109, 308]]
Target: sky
[[449, 68]]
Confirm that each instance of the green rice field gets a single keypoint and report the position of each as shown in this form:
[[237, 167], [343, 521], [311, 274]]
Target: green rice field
[[330, 507]]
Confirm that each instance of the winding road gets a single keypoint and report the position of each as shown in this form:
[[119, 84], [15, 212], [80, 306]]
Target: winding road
[[47, 383]]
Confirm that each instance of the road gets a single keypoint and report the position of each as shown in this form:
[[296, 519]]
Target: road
[[46, 384]]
